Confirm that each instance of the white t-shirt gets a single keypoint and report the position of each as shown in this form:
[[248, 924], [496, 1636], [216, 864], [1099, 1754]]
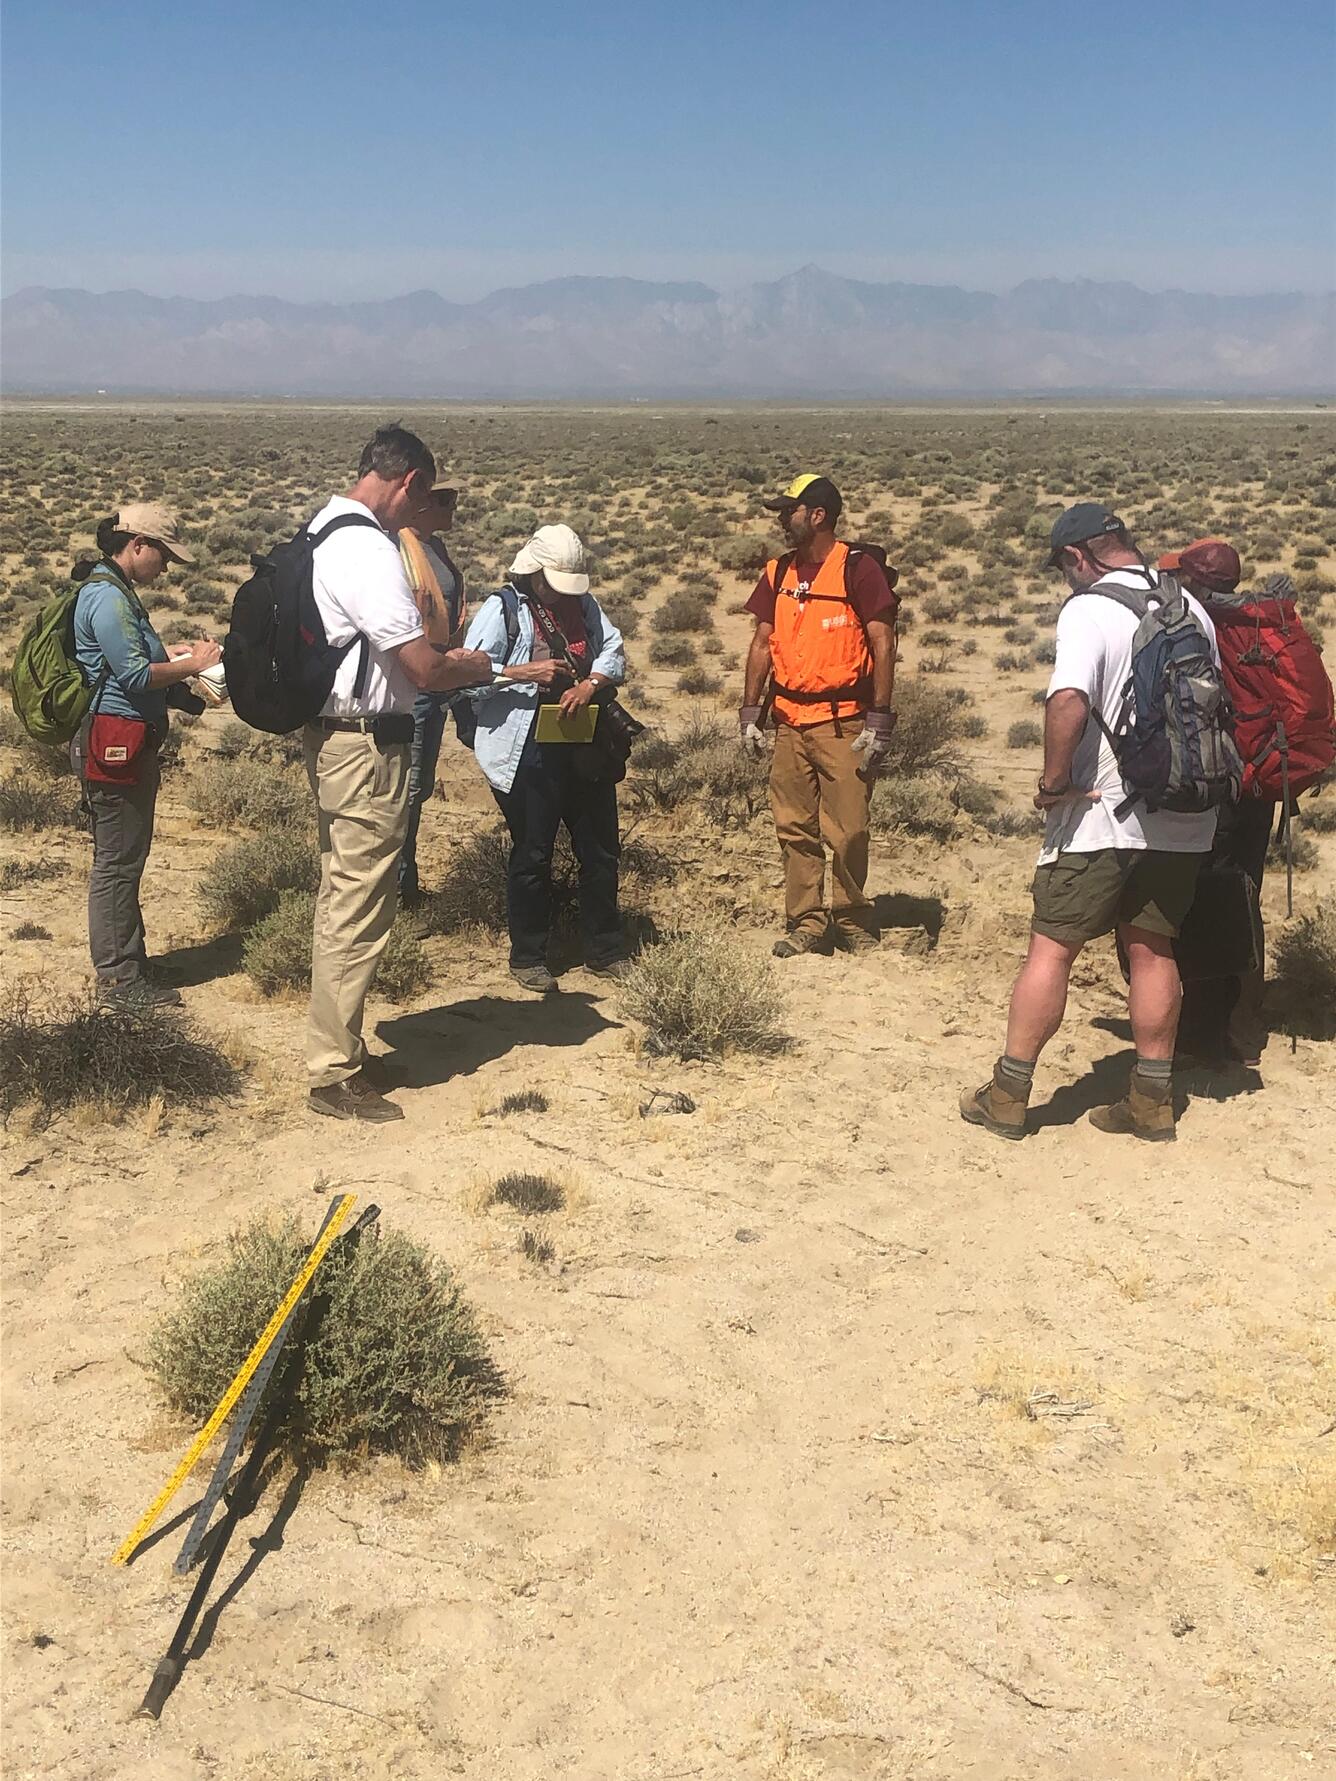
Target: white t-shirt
[[1094, 657], [360, 587]]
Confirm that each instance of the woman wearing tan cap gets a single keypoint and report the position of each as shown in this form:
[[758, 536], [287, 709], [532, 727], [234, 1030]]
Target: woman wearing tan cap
[[116, 752]]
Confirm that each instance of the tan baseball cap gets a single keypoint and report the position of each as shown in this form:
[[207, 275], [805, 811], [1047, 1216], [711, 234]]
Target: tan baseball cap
[[150, 519]]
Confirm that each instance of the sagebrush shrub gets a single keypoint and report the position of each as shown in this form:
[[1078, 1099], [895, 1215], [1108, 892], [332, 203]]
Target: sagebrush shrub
[[27, 805], [396, 1363], [701, 995], [251, 793], [66, 1051], [244, 882], [1025, 734], [1305, 960], [276, 955]]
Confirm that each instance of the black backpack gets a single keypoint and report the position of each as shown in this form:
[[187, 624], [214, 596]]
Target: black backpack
[[280, 666], [853, 552]]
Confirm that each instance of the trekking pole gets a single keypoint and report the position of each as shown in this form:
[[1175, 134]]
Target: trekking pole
[[170, 1666]]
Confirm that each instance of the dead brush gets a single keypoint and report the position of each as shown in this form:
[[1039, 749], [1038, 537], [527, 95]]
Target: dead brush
[[70, 1052], [528, 1193], [700, 995], [1305, 986], [28, 805], [397, 1364]]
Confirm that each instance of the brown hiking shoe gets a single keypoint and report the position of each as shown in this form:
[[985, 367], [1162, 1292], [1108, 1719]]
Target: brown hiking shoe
[[354, 1099], [793, 945], [856, 940], [997, 1107], [1148, 1112]]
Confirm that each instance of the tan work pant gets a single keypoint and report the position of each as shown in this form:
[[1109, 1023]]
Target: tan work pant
[[817, 795], [361, 794]]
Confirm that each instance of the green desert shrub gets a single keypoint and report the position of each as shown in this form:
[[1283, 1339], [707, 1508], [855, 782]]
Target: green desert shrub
[[68, 1051], [27, 805], [686, 609], [672, 652], [276, 955], [250, 793], [244, 882], [698, 682], [49, 759], [745, 554], [701, 995], [396, 1362], [1025, 734]]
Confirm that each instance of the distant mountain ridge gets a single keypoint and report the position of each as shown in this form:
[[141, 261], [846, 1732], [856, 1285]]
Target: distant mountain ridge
[[809, 335]]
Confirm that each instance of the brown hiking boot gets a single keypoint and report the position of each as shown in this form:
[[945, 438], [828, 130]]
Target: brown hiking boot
[[354, 1099], [1148, 1112], [793, 945], [998, 1106], [856, 940]]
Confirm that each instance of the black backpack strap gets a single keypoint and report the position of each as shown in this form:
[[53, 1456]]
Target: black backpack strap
[[337, 524], [782, 566], [510, 610]]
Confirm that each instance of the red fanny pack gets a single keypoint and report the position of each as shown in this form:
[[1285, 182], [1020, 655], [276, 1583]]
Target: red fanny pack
[[117, 747]]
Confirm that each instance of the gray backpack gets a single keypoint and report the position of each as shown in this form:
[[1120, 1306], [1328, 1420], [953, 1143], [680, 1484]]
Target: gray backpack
[[1174, 738]]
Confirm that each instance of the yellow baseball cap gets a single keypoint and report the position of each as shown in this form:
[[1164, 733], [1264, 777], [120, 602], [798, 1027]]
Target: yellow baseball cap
[[808, 491]]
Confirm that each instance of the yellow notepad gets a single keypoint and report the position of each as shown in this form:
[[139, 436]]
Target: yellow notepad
[[579, 727]]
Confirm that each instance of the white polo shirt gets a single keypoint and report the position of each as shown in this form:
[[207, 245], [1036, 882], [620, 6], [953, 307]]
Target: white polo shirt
[[360, 587], [1094, 657]]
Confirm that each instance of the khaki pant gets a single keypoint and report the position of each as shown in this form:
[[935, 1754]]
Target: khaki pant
[[817, 795], [361, 793]]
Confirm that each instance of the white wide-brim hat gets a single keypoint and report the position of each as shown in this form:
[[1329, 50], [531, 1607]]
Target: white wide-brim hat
[[558, 552]]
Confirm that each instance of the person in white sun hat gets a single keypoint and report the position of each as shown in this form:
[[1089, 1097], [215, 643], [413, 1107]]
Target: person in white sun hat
[[552, 648]]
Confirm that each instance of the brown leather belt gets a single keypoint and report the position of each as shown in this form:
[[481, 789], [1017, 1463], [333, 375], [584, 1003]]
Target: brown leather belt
[[385, 726]]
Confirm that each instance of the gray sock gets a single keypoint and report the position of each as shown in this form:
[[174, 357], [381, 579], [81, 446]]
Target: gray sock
[[1155, 1069], [1015, 1072]]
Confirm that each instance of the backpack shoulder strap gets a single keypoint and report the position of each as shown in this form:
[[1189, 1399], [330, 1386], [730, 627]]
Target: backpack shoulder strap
[[337, 524], [1133, 599], [782, 566], [510, 611]]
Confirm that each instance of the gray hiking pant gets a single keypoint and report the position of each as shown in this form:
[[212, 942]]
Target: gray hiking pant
[[122, 819]]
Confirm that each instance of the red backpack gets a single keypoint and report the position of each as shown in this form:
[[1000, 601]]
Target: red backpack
[[1284, 722]]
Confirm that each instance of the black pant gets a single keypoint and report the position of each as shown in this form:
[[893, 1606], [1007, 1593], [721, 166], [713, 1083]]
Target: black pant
[[1223, 1015], [547, 792]]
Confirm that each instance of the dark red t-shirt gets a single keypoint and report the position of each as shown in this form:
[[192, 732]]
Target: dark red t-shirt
[[568, 615], [870, 594]]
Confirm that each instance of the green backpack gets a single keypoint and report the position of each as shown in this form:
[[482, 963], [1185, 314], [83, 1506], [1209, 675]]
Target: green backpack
[[49, 690]]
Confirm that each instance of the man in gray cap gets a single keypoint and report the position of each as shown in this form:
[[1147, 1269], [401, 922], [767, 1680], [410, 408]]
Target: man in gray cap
[[1106, 863]]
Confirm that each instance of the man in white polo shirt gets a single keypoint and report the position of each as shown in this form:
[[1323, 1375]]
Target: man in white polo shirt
[[1107, 862], [357, 759]]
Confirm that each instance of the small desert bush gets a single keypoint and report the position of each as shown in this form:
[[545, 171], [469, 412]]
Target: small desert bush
[[523, 1100], [686, 609], [927, 730], [243, 883], [528, 1193], [396, 1363], [276, 955], [30, 930], [66, 1052], [249, 793], [49, 759], [701, 995], [672, 652], [27, 805], [698, 682], [1303, 851], [14, 873], [1305, 956], [1025, 734]]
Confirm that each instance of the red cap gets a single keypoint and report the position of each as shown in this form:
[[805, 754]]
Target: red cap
[[1208, 560]]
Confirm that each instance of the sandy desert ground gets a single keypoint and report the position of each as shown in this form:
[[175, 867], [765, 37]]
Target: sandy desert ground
[[841, 1441]]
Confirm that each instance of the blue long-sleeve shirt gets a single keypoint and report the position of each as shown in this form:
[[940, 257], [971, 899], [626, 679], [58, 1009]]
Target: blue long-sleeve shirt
[[113, 631]]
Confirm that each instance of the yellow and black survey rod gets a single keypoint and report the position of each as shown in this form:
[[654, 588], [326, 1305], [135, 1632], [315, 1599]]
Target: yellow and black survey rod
[[168, 1671]]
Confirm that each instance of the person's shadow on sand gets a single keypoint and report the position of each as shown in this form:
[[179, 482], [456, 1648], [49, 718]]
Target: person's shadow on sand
[[1106, 1083], [436, 1044]]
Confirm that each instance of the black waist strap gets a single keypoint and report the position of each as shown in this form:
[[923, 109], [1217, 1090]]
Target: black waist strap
[[860, 692]]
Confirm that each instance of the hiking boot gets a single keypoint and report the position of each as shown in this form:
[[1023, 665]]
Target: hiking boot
[[354, 1099], [856, 940], [793, 945], [614, 968], [138, 994], [999, 1107], [535, 978], [1148, 1112]]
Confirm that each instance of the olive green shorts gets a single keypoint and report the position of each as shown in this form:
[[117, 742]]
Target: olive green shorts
[[1079, 896]]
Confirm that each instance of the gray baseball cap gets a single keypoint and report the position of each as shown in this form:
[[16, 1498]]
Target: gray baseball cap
[[1087, 520]]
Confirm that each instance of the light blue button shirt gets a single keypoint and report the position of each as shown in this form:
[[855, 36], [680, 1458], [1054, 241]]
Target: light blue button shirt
[[506, 712]]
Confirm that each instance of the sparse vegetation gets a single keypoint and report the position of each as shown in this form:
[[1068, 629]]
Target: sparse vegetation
[[245, 882], [397, 1363], [1305, 958], [63, 1052], [28, 805], [276, 955], [701, 995], [528, 1193]]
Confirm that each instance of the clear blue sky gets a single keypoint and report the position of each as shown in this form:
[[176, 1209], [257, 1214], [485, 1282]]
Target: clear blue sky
[[339, 151]]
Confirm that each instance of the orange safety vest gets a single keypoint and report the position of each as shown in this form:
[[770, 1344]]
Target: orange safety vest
[[818, 648]]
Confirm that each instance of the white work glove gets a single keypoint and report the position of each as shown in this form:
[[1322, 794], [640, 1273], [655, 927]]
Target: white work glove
[[873, 741], [749, 728]]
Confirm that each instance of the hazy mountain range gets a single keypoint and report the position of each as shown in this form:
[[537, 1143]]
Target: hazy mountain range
[[810, 335]]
